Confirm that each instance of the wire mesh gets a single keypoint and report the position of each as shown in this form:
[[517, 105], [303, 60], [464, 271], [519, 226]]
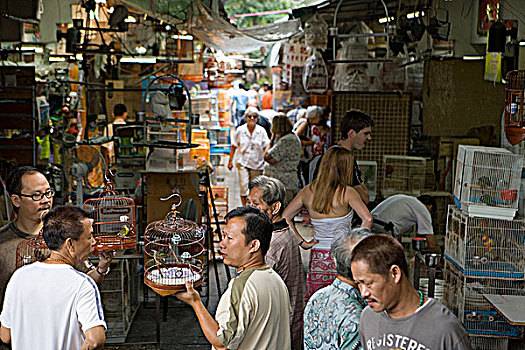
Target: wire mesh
[[391, 114], [484, 247], [484, 343], [464, 297], [30, 250], [113, 221], [173, 254], [487, 177], [403, 174]]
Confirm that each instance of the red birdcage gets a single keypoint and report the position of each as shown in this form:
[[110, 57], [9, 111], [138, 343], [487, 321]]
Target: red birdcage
[[30, 250], [514, 116], [113, 220], [173, 254]]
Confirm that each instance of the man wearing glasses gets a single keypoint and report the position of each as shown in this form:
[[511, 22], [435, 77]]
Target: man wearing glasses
[[31, 197]]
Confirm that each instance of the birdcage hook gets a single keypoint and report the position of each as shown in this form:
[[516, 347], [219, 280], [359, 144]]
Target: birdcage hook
[[174, 213]]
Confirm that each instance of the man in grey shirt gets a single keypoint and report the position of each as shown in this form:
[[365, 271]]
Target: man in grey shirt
[[398, 316]]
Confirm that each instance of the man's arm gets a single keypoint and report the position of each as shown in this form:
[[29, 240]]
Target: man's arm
[[232, 155], [95, 338], [363, 192], [103, 266], [208, 324], [5, 334]]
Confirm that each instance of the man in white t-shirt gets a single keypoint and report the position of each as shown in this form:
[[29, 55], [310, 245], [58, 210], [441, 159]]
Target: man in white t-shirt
[[49, 304], [254, 312], [402, 212]]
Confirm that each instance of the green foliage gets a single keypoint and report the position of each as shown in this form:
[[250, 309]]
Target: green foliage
[[235, 7]]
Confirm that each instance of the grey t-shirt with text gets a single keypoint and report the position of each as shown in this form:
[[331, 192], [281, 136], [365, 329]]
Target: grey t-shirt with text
[[431, 327]]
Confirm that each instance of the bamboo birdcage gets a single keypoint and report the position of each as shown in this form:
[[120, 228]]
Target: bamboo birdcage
[[173, 254], [113, 220], [30, 250]]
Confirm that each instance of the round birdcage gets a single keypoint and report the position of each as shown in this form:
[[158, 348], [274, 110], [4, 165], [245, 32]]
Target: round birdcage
[[30, 250], [173, 254], [514, 99], [113, 220]]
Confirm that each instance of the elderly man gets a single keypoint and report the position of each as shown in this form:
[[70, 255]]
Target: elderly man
[[254, 312], [284, 257], [398, 316], [49, 304], [356, 130], [331, 317], [32, 197]]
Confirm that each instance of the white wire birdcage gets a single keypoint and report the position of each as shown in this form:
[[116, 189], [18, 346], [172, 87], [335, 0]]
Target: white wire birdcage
[[464, 297], [173, 254], [403, 174], [483, 247], [113, 220], [487, 181], [369, 176]]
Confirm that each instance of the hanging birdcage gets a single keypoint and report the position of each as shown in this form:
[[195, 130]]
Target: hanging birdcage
[[30, 250], [514, 116], [113, 220], [173, 254]]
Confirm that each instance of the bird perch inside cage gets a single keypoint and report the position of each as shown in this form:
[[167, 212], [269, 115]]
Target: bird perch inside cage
[[173, 254], [113, 220], [30, 250]]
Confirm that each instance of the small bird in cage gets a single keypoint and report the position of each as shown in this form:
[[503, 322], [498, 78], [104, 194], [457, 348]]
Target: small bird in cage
[[173, 250]]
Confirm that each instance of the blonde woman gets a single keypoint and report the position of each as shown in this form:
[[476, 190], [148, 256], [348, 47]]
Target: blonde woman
[[330, 201], [282, 157]]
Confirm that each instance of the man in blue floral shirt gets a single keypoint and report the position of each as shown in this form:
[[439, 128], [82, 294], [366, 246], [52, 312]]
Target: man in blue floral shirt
[[331, 317]]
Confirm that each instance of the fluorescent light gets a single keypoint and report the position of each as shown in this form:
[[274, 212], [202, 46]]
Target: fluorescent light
[[36, 49], [130, 19], [110, 10], [182, 37], [100, 1], [57, 59], [138, 60], [522, 43], [384, 20], [473, 58], [79, 57], [415, 14]]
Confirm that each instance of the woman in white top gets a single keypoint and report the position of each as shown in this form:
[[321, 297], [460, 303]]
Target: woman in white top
[[329, 200], [249, 142]]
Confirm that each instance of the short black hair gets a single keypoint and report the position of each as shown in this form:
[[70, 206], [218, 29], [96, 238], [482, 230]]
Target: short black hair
[[428, 200], [258, 225], [13, 183], [380, 253], [61, 223], [119, 109], [355, 120]]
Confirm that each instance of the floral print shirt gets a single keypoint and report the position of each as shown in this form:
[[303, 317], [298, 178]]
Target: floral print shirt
[[287, 153], [331, 318]]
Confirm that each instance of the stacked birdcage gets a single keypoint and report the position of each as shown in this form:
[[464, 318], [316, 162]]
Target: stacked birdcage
[[30, 250], [483, 256], [113, 220], [487, 181], [173, 254], [403, 174]]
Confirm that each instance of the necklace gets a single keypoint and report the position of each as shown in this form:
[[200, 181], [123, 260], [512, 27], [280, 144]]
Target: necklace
[[243, 268], [421, 298], [56, 260]]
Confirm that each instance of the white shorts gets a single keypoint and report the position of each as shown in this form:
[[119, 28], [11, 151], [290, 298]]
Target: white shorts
[[245, 176]]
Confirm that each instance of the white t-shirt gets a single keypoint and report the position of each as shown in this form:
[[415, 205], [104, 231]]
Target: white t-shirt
[[250, 147], [50, 307], [404, 212]]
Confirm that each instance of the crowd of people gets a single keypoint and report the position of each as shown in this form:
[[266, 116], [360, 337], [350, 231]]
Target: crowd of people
[[356, 294]]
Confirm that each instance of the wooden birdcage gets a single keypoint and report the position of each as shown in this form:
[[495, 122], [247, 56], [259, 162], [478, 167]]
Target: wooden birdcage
[[113, 220], [173, 254], [30, 250]]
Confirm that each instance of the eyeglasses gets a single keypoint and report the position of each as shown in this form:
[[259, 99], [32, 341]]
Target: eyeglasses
[[252, 116], [38, 196]]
